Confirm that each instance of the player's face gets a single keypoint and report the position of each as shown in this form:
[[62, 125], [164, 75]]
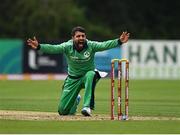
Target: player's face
[[79, 39]]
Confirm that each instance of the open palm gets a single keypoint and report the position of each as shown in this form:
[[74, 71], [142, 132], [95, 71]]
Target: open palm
[[124, 37], [33, 43]]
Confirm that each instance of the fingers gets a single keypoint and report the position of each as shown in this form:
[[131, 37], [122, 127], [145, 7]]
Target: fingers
[[34, 38], [32, 42], [124, 36], [34, 46], [29, 40], [126, 33]]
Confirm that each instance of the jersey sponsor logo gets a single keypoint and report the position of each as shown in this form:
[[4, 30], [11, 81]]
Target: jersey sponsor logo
[[76, 59]]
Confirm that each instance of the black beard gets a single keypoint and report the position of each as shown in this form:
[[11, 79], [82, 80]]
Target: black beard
[[76, 44]]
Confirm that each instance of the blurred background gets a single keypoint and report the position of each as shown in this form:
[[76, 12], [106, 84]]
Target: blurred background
[[153, 49]]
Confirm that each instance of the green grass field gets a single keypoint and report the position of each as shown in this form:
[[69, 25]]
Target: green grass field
[[156, 98]]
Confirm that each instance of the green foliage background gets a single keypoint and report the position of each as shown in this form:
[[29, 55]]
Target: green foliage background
[[47, 19], [54, 19]]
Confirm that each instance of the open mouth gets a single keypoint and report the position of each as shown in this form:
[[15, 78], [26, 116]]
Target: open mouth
[[81, 42]]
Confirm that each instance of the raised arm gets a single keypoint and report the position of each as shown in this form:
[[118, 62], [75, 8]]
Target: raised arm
[[46, 48], [101, 46]]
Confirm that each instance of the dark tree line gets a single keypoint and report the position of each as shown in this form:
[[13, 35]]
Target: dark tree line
[[54, 19], [146, 19]]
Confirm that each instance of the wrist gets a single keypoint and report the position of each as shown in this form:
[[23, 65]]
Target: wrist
[[38, 47], [119, 42]]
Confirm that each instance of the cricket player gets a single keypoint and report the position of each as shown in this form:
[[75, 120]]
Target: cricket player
[[79, 52]]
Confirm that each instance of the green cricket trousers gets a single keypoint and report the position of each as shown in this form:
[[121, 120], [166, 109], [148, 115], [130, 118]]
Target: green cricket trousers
[[71, 88]]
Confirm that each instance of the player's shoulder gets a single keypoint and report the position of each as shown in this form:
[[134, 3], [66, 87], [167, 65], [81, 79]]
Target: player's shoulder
[[68, 43], [91, 42]]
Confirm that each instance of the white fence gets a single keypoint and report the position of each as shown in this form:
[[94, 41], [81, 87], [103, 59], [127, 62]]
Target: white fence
[[153, 59]]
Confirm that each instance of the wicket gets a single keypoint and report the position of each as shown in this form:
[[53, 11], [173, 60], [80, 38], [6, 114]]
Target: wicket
[[120, 76]]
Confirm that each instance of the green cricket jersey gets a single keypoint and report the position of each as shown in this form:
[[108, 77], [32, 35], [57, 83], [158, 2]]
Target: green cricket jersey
[[79, 62]]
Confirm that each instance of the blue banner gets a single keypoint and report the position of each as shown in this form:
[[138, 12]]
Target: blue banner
[[10, 56], [103, 59]]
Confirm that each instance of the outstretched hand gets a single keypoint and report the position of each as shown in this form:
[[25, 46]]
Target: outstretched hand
[[33, 43], [124, 37]]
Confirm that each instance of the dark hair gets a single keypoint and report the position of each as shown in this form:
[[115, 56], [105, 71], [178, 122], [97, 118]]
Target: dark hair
[[77, 28]]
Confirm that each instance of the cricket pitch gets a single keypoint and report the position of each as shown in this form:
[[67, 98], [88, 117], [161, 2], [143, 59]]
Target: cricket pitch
[[32, 115]]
